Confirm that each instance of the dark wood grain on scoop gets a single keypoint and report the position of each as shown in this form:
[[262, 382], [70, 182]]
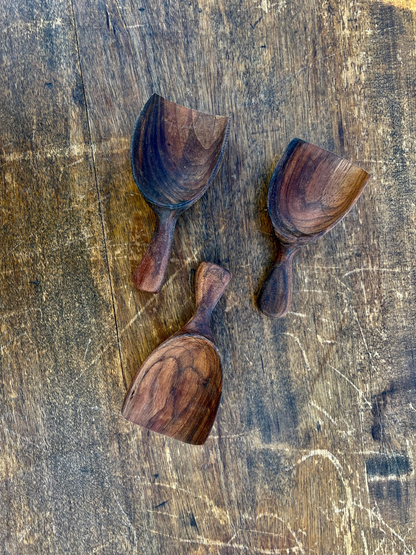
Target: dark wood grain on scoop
[[180, 381], [175, 153], [311, 190], [178, 387]]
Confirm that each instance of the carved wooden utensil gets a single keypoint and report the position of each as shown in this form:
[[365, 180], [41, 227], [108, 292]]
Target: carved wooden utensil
[[175, 153], [311, 190], [177, 390]]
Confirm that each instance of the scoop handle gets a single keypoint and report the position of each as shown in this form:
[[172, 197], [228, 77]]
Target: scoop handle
[[211, 282], [276, 293], [151, 271]]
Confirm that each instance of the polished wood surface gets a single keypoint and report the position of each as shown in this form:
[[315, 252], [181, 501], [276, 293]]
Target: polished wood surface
[[177, 389], [310, 191], [175, 154], [312, 450]]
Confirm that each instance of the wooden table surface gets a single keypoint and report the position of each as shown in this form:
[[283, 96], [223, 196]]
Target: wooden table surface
[[313, 450]]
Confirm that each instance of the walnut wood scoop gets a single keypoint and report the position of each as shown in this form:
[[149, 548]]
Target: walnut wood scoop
[[177, 390], [311, 190], [175, 154]]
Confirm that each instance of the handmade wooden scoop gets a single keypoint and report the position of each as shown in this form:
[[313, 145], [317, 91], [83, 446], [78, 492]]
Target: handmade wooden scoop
[[311, 190], [177, 390], [175, 154]]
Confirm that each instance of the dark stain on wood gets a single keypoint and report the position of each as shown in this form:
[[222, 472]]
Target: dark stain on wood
[[192, 521], [162, 504], [386, 465]]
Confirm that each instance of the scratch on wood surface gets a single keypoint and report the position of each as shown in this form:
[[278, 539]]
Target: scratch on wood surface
[[201, 540], [266, 6], [113, 412], [88, 346], [248, 360], [349, 505], [370, 356], [256, 532], [376, 514], [380, 545], [365, 543], [80, 239], [75, 163], [349, 307], [163, 513], [324, 412], [219, 513], [308, 66], [308, 366], [388, 478], [96, 359], [23, 438], [360, 393], [233, 436], [298, 314], [322, 341], [10, 271], [138, 313], [126, 519], [309, 291], [18, 245], [404, 4], [298, 542], [26, 27], [223, 483], [116, 145], [364, 298], [124, 516], [23, 533], [12, 341], [101, 547], [357, 270]]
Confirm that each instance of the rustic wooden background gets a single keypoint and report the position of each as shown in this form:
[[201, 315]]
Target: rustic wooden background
[[313, 448]]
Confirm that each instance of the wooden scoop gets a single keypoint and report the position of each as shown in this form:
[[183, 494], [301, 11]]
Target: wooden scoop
[[177, 390], [175, 154], [311, 190]]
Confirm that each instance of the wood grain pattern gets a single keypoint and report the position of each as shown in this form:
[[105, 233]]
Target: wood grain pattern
[[177, 389], [58, 342], [175, 154], [312, 449], [310, 191]]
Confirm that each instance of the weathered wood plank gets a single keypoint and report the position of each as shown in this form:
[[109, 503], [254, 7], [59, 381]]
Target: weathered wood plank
[[313, 448], [307, 448], [59, 363]]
